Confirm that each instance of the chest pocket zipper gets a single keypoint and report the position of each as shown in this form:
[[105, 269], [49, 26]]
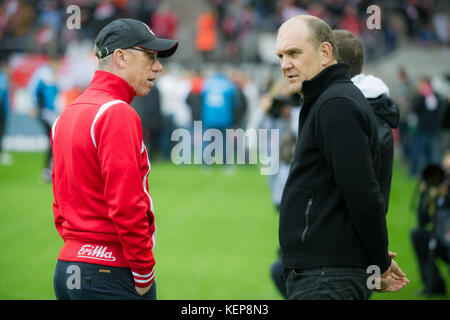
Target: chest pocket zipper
[[308, 209]]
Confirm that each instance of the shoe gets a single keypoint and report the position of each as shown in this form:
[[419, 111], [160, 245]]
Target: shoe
[[421, 293], [6, 159], [229, 170], [47, 175], [427, 293]]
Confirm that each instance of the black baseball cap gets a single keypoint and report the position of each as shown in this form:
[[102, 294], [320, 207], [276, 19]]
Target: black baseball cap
[[127, 33]]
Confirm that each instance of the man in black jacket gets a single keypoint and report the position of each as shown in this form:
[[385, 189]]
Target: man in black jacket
[[431, 238], [377, 94], [332, 218]]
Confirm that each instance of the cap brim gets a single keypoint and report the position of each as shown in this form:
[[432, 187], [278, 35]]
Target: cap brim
[[164, 47]]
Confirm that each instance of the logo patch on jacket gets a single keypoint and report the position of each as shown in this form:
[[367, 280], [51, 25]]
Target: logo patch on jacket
[[96, 252]]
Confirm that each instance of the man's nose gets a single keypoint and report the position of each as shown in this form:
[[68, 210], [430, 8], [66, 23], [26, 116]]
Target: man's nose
[[157, 66], [285, 64]]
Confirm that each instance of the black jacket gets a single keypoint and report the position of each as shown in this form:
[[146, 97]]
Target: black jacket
[[332, 210], [427, 118], [387, 115]]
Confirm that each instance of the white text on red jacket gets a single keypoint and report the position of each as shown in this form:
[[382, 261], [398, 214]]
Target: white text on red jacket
[[96, 252]]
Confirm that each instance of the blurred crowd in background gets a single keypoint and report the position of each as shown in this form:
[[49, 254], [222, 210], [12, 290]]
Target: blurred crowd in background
[[48, 64], [233, 28], [232, 32], [37, 47]]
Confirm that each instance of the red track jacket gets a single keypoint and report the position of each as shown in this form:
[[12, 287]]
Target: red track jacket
[[103, 209]]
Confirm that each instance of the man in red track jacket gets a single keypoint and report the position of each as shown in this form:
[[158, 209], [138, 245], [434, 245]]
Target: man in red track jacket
[[103, 209]]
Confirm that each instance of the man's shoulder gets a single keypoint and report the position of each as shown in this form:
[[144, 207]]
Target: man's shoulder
[[344, 101], [118, 109], [99, 99], [97, 106], [346, 93], [342, 89]]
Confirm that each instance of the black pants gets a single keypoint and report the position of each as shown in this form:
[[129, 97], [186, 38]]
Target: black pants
[[86, 281], [48, 132], [2, 126], [276, 272], [328, 283], [434, 284]]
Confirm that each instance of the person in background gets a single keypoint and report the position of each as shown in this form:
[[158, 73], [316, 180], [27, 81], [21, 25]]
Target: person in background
[[402, 93], [281, 113], [149, 110], [426, 106], [431, 237], [241, 111], [377, 94], [5, 158], [445, 123], [220, 99], [194, 101], [43, 89], [206, 35], [194, 98], [173, 89]]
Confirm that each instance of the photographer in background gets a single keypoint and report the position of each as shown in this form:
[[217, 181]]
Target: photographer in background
[[431, 239], [281, 112], [44, 92]]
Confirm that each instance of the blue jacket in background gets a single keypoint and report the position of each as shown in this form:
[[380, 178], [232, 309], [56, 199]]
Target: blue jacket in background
[[43, 92], [218, 102], [4, 93]]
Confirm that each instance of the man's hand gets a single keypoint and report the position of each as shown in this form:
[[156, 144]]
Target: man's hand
[[395, 269], [393, 279], [392, 254], [398, 275], [142, 291], [265, 102]]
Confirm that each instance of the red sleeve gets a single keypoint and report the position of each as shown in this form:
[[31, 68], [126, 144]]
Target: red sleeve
[[118, 135]]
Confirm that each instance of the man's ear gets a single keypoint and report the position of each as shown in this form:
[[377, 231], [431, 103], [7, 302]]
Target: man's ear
[[326, 53], [119, 57]]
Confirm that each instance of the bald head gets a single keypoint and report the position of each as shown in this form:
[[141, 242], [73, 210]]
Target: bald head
[[318, 31], [305, 46]]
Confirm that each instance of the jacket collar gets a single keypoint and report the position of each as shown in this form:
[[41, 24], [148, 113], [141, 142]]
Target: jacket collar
[[114, 85], [325, 78]]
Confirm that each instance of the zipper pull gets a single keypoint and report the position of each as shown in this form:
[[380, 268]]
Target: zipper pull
[[308, 208]]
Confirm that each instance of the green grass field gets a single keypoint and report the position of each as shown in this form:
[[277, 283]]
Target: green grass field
[[217, 233]]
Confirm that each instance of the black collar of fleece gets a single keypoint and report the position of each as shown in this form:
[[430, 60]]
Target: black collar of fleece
[[335, 73]]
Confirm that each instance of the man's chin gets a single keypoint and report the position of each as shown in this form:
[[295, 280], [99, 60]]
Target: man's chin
[[295, 88], [143, 92]]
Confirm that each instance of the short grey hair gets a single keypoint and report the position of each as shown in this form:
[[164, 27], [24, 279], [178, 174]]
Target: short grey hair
[[105, 62]]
